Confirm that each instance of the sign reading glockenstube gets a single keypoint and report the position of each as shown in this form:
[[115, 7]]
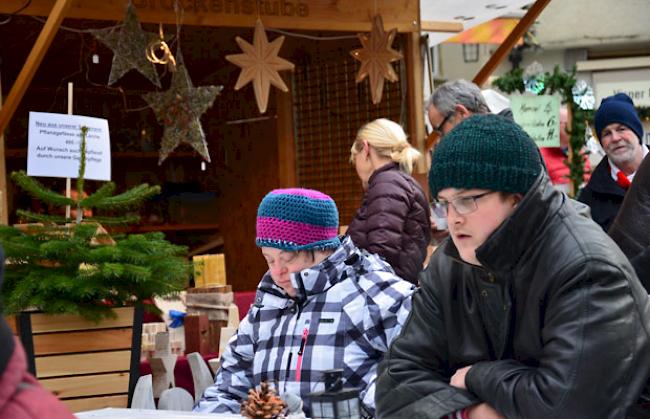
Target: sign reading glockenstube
[[287, 8]]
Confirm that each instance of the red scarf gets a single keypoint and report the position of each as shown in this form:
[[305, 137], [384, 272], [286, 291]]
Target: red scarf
[[622, 180]]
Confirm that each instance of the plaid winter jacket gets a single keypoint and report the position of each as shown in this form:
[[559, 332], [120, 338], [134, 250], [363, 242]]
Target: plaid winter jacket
[[346, 312]]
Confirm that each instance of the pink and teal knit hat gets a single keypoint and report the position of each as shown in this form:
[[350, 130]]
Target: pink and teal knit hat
[[297, 219]]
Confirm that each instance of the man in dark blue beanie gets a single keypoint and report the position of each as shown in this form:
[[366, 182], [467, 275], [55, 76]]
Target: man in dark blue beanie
[[620, 132]]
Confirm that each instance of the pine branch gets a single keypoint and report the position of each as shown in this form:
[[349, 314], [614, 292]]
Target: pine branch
[[114, 221], [130, 198], [38, 190], [102, 193], [82, 174], [43, 218]]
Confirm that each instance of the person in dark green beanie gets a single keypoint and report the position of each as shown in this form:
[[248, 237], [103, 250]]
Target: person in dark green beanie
[[528, 310]]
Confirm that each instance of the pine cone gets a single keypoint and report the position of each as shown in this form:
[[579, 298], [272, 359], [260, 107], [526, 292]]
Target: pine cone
[[263, 404]]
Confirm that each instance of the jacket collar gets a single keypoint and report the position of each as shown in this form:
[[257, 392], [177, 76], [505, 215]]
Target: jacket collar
[[384, 168], [500, 253], [314, 280], [601, 180]]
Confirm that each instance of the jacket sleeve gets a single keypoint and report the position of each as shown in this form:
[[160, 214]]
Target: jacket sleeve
[[235, 376], [590, 340], [414, 376]]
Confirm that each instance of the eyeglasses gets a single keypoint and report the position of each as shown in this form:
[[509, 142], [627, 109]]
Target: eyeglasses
[[463, 205], [438, 129]]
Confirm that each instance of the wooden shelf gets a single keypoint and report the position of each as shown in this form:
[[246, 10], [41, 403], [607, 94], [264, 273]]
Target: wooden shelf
[[162, 227], [22, 153]]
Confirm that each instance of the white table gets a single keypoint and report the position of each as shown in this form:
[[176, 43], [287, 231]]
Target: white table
[[114, 413]]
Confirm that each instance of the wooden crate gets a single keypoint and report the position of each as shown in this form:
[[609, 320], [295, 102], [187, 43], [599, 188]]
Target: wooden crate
[[87, 365], [209, 270]]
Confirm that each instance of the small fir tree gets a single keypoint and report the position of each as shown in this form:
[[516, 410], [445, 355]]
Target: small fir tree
[[59, 265]]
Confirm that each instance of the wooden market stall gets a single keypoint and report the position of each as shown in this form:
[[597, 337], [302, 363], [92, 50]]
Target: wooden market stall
[[302, 139]]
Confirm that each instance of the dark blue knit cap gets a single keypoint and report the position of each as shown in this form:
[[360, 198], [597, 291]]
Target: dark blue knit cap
[[618, 108]]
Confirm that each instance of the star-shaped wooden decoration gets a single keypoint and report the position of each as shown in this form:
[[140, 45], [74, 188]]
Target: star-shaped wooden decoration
[[178, 110], [376, 57], [129, 46], [260, 64]]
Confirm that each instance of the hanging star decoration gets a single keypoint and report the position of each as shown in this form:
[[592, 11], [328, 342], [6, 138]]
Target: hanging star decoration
[[376, 56], [178, 110], [129, 44], [260, 64]]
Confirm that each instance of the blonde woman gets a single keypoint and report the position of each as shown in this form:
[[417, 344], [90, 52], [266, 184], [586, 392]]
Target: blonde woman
[[393, 220]]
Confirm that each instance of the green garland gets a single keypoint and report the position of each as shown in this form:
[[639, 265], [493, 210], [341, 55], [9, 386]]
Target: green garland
[[644, 112], [557, 82]]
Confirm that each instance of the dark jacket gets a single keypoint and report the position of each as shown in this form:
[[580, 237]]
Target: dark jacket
[[393, 221], [603, 195], [555, 323], [631, 227]]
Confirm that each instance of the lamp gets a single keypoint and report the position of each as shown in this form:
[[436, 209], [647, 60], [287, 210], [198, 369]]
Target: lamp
[[335, 401], [470, 53]]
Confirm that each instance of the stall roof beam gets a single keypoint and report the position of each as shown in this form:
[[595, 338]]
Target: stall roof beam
[[507, 45], [33, 61], [327, 15]]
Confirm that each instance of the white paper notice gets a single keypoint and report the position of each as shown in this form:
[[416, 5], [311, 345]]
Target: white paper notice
[[54, 142]]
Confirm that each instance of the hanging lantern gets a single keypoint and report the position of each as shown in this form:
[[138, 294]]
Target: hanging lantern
[[335, 401]]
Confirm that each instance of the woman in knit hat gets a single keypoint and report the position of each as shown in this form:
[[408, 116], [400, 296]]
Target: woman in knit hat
[[323, 304], [393, 220], [529, 310]]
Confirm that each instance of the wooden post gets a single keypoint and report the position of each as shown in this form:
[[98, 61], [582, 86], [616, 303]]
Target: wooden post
[[286, 139], [510, 41], [415, 96], [4, 208], [33, 61], [68, 185], [569, 128]]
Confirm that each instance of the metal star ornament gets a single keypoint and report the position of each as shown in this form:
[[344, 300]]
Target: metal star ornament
[[179, 109], [129, 44], [260, 64], [376, 56]]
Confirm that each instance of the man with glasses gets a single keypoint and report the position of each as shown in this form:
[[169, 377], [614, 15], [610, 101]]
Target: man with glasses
[[529, 311], [452, 102], [620, 131]]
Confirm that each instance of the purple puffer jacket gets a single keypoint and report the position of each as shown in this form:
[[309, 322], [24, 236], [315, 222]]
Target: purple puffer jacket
[[393, 221]]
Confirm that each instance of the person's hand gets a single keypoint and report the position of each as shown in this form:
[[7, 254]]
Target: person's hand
[[483, 411], [458, 379]]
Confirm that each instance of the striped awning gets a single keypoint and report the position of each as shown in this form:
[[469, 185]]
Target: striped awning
[[492, 32]]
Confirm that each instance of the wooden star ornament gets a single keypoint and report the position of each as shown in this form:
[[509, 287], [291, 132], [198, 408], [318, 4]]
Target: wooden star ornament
[[179, 109], [376, 56], [260, 64]]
